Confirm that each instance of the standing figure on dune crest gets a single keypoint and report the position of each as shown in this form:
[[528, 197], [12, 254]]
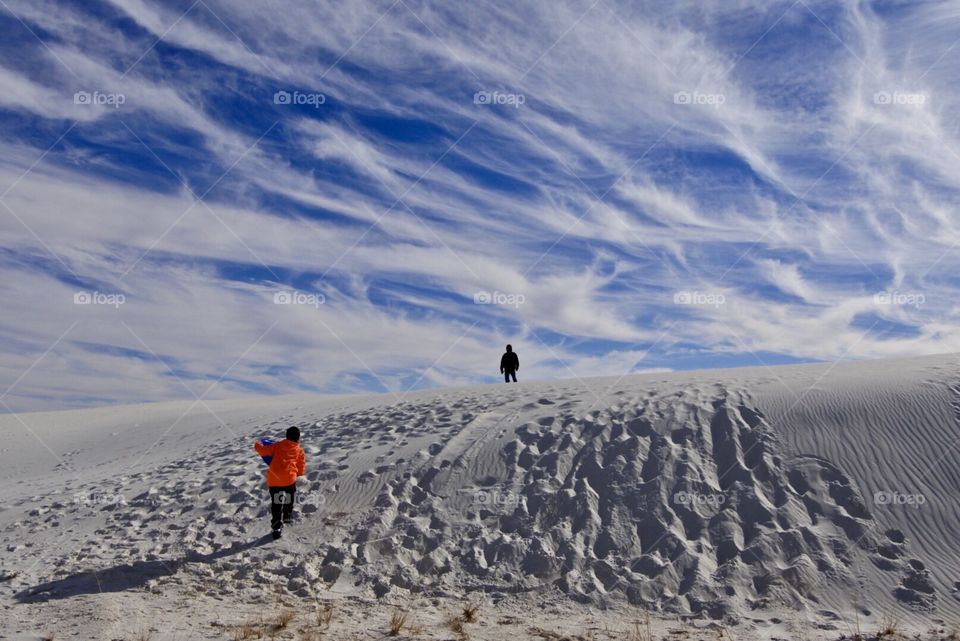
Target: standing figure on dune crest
[[509, 364]]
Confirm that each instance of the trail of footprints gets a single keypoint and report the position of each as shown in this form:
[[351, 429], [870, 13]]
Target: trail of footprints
[[682, 505], [679, 503], [173, 519]]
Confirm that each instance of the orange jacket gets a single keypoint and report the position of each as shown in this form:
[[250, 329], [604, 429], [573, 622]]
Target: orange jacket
[[287, 464]]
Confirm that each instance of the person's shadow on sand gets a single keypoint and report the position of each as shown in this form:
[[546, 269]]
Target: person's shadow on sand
[[129, 576]]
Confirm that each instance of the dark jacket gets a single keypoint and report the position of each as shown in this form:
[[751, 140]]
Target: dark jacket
[[509, 362]]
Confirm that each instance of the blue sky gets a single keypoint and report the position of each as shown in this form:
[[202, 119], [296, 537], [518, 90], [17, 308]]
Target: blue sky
[[221, 198]]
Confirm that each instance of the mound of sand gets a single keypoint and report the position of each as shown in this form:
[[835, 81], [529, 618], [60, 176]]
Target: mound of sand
[[731, 494]]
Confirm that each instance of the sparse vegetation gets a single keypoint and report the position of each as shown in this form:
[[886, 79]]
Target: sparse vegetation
[[856, 613], [642, 633], [888, 633], [324, 617], [455, 623], [888, 628], [247, 631], [556, 636], [311, 634], [324, 614], [309, 631], [470, 612], [284, 617], [398, 621]]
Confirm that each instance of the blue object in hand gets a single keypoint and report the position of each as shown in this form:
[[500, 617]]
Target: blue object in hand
[[267, 441]]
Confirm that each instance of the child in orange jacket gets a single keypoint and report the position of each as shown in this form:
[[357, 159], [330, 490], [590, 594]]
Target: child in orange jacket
[[287, 463]]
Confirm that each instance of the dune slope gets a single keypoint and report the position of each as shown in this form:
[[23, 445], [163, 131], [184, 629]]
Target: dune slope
[[736, 495]]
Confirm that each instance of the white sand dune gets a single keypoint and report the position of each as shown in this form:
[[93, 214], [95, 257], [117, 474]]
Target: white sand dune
[[809, 495]]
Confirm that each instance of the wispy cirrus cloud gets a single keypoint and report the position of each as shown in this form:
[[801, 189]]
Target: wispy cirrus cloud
[[635, 187]]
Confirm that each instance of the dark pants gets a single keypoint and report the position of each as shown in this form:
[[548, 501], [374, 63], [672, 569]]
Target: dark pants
[[508, 374], [281, 505]]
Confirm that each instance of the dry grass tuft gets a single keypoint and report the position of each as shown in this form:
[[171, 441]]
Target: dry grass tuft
[[456, 625], [284, 617], [470, 612], [324, 614], [398, 621], [888, 628], [247, 631], [642, 632]]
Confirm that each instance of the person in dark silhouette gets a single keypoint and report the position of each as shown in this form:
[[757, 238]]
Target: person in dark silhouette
[[509, 364]]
